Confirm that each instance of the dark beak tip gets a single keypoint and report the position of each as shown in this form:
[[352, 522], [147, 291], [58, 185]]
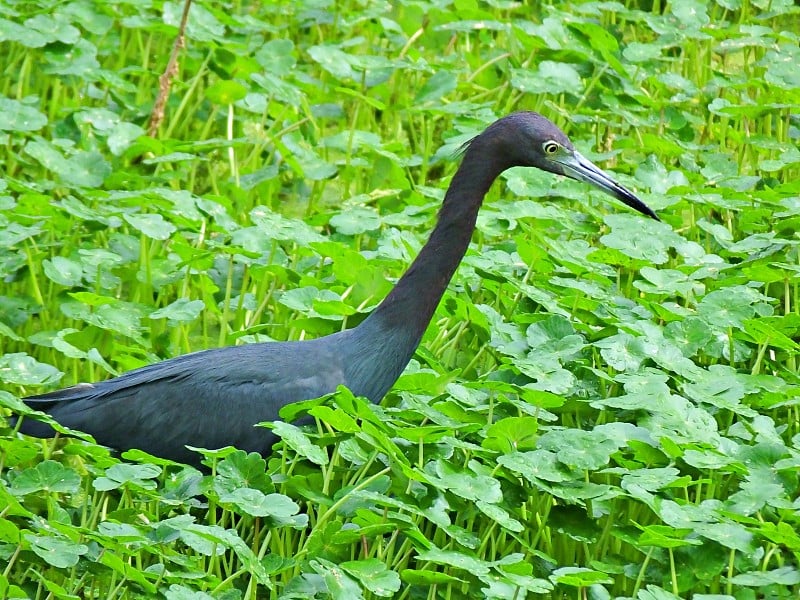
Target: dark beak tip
[[633, 201], [647, 211], [581, 169]]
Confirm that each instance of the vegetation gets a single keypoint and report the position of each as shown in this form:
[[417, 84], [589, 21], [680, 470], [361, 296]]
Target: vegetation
[[603, 406]]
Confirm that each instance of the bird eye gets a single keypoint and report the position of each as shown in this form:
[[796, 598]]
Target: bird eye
[[550, 147]]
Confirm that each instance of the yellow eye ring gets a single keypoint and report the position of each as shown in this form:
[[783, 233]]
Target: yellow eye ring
[[550, 147]]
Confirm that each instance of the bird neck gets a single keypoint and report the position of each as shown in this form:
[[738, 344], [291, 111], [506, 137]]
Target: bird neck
[[403, 316]]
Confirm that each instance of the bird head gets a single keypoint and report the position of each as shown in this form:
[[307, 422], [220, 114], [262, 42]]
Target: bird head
[[531, 140]]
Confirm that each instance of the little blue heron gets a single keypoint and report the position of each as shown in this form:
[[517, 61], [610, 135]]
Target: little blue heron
[[213, 398]]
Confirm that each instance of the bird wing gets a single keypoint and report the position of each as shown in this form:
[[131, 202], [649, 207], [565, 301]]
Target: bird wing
[[208, 399]]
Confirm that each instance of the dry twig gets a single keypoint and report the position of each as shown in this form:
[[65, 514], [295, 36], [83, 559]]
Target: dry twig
[[165, 81]]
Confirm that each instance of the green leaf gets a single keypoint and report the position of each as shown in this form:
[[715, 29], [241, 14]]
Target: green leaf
[[437, 86], [86, 169], [20, 369], [579, 577], [624, 352], [763, 332], [11, 591], [787, 575], [179, 592], [278, 227], [48, 476], [277, 57], [356, 220], [64, 271], [779, 68], [59, 552], [13, 507], [512, 434], [258, 504], [152, 225], [203, 541], [122, 136], [336, 418], [536, 465], [340, 585], [498, 515], [664, 536], [127, 475], [229, 538], [374, 575], [182, 310], [637, 238], [20, 117], [549, 78], [201, 25], [455, 559], [731, 307], [334, 61], [720, 387], [242, 469], [299, 442], [637, 52], [302, 299], [225, 92], [110, 314], [578, 449], [9, 533], [419, 577], [11, 31], [464, 483], [13, 233], [668, 281], [56, 27]]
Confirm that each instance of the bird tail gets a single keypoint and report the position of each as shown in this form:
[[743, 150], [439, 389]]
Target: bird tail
[[32, 427]]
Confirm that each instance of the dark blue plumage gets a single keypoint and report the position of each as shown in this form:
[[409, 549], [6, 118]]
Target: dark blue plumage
[[215, 397]]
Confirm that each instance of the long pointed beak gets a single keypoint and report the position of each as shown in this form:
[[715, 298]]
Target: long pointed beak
[[576, 166]]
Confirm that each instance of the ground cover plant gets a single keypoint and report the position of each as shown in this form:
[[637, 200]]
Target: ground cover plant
[[603, 406]]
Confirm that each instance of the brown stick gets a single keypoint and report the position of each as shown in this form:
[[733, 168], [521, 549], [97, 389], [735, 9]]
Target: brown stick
[[165, 81]]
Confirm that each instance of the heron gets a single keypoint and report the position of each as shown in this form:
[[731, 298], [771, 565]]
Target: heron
[[215, 398]]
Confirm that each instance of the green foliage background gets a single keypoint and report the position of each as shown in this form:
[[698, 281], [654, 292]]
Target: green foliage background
[[602, 406]]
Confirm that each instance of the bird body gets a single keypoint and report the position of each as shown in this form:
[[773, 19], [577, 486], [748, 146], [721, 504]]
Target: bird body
[[214, 398]]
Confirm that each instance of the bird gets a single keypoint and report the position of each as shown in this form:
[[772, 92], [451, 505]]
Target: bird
[[214, 398]]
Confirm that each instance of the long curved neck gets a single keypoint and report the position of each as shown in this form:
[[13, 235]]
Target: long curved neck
[[401, 319]]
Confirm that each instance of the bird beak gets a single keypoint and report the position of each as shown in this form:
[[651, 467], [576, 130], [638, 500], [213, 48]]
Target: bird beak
[[574, 165]]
